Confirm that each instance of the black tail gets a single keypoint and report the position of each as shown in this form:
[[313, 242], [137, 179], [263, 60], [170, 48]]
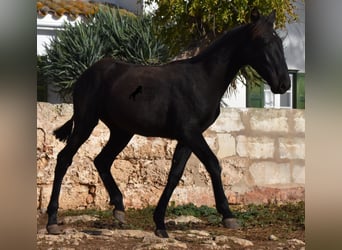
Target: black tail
[[64, 132]]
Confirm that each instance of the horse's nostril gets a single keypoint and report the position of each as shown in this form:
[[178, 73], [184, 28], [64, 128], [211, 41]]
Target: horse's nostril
[[283, 88]]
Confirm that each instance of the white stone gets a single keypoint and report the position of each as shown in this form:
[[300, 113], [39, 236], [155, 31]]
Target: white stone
[[299, 122], [241, 242], [228, 121], [296, 242], [82, 218], [200, 233], [184, 219], [255, 147], [292, 148], [273, 237], [298, 174], [269, 120], [221, 239], [266, 173], [226, 144], [212, 142]]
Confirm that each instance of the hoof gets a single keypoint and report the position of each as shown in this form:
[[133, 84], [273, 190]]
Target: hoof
[[231, 223], [161, 233], [54, 229], [120, 216]]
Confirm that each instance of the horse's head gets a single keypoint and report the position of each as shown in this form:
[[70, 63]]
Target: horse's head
[[266, 54]]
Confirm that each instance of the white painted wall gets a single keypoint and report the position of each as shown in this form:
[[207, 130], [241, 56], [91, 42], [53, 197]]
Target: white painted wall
[[235, 98], [294, 42], [47, 27]]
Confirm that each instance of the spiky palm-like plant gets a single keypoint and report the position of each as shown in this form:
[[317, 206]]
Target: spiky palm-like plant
[[109, 32]]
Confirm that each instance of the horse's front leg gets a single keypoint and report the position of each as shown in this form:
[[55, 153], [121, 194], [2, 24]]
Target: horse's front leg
[[180, 157], [201, 149]]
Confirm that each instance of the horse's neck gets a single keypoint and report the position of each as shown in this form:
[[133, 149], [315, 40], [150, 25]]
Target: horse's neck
[[223, 60]]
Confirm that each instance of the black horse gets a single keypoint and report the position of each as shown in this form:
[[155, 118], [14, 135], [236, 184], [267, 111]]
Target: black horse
[[178, 100]]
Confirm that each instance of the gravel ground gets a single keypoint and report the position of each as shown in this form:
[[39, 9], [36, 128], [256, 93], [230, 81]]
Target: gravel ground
[[186, 232]]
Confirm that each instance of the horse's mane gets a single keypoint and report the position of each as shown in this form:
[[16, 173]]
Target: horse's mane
[[222, 39]]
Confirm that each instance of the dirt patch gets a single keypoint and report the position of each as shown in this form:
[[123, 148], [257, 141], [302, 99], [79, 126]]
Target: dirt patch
[[99, 232]]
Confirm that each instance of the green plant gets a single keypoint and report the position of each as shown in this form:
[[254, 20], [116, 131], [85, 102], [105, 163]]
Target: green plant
[[185, 23], [110, 32], [41, 83], [290, 216]]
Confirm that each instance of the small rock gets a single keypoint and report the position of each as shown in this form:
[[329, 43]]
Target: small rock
[[42, 231], [296, 242], [221, 239], [92, 189], [89, 199], [200, 233], [153, 239], [82, 218], [184, 219], [210, 244], [167, 245], [76, 242], [241, 242], [136, 234], [106, 232], [154, 242], [69, 230], [273, 237]]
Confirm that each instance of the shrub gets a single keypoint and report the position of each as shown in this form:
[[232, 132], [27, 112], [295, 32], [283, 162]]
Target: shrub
[[41, 83], [109, 32]]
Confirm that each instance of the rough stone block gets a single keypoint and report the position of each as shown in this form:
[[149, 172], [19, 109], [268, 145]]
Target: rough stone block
[[299, 122], [255, 147], [73, 196], [231, 175], [196, 195], [228, 121], [298, 174], [292, 148], [211, 139], [82, 171], [45, 193], [266, 173], [269, 120], [141, 147], [233, 171], [226, 145], [259, 195]]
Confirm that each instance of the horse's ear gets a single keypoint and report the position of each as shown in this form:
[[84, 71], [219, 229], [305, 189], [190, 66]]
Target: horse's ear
[[271, 18], [255, 15]]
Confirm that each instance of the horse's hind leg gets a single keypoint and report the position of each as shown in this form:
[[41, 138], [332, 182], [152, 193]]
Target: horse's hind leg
[[64, 160], [180, 157], [103, 162]]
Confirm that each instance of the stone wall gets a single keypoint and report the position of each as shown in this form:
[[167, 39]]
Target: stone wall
[[261, 151]]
